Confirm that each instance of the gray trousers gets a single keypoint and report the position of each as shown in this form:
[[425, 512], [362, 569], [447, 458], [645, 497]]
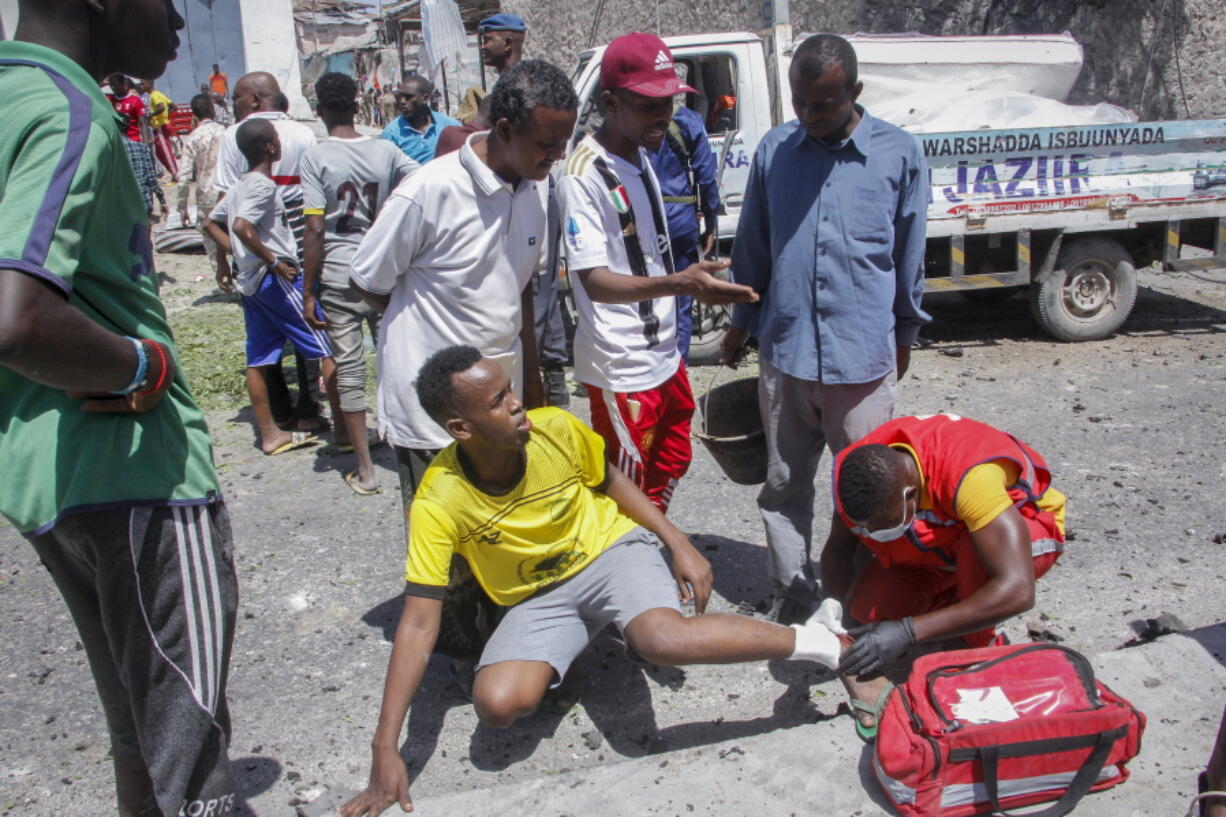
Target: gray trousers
[[801, 418], [346, 312], [153, 594]]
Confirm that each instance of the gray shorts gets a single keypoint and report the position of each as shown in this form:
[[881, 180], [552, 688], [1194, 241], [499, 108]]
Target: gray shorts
[[556, 624], [347, 312]]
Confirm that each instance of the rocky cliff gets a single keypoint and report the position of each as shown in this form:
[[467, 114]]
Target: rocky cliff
[[1161, 58]]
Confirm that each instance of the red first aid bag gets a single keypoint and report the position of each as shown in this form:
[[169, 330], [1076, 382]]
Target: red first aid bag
[[981, 731]]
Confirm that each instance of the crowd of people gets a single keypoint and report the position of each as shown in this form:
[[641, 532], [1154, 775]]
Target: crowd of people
[[526, 529]]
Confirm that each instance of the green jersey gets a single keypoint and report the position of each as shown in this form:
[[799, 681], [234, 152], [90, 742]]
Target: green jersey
[[74, 218]]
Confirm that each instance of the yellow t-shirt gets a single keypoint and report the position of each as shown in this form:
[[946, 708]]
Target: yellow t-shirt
[[158, 99], [548, 527], [983, 494]]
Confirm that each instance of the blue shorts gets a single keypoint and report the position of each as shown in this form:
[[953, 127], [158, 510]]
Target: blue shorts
[[273, 315]]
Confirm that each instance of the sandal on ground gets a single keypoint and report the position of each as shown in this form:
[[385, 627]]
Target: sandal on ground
[[869, 733], [298, 439], [351, 479], [1197, 805]]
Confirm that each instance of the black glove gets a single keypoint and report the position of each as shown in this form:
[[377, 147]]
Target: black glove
[[875, 645]]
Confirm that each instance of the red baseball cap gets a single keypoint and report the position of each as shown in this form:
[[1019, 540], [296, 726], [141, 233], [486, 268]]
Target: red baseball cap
[[643, 64]]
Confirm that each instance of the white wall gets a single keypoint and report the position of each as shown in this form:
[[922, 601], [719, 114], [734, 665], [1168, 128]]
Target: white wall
[[8, 17]]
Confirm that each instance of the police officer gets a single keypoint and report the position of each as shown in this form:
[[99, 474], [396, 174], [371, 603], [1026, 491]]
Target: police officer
[[502, 40], [686, 168]]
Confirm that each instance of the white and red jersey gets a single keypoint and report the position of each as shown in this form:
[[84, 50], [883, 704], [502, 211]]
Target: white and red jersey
[[132, 109], [618, 347]]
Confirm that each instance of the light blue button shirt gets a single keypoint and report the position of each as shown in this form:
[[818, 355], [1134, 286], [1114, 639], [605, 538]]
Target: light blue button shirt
[[832, 238], [417, 145]]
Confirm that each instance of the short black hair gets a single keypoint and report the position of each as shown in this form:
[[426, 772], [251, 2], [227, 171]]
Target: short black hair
[[527, 85], [424, 85], [435, 390], [252, 136], [202, 106], [867, 480], [280, 102], [821, 52], [336, 92]]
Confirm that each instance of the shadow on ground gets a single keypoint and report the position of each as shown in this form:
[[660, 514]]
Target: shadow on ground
[[955, 319]]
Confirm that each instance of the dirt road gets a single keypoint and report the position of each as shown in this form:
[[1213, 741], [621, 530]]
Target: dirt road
[[1132, 428]]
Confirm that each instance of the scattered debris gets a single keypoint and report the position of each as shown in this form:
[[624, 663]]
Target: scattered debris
[[1041, 632], [592, 739], [1150, 629], [951, 352], [731, 750]]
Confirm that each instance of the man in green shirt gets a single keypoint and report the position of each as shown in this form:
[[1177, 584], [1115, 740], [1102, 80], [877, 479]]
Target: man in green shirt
[[109, 459]]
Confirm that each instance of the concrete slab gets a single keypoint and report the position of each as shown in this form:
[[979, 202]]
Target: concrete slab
[[1179, 682]]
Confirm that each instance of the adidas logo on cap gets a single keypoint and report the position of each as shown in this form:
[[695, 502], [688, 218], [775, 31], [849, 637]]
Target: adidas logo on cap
[[663, 61]]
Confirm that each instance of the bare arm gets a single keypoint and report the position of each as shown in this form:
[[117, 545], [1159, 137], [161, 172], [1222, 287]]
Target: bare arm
[[411, 646], [838, 561], [45, 339], [1003, 546], [691, 570], [223, 275], [312, 268], [377, 301], [246, 233], [49, 341], [698, 280]]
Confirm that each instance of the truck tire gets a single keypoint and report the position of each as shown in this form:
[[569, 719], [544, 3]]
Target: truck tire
[[707, 336], [1089, 293]]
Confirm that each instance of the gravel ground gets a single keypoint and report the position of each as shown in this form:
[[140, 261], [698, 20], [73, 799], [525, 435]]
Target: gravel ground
[[1131, 426]]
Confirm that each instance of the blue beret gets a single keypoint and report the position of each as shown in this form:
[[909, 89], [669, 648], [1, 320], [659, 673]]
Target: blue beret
[[502, 22]]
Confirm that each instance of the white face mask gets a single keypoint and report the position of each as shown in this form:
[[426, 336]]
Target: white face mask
[[896, 532]]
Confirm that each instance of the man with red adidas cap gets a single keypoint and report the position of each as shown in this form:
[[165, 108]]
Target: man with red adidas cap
[[625, 285]]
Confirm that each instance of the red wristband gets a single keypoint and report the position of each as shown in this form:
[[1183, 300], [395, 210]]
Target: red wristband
[[161, 355]]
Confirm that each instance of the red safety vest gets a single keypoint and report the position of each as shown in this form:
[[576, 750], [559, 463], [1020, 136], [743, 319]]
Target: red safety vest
[[948, 446]]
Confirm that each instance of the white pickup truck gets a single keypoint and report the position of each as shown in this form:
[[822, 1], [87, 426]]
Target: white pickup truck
[[1068, 212]]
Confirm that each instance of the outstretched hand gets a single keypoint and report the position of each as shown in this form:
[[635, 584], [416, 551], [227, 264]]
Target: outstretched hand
[[700, 281], [389, 783]]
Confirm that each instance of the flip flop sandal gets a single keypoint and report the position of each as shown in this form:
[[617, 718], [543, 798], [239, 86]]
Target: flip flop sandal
[[298, 439], [351, 479], [869, 733], [1198, 802]]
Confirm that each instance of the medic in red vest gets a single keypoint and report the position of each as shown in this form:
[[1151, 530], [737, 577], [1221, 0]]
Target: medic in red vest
[[960, 518]]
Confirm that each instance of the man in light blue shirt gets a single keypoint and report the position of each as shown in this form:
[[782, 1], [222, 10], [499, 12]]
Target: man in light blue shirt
[[832, 236], [417, 129]]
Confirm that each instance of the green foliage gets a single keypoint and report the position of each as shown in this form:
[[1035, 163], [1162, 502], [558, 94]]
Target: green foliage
[[210, 341]]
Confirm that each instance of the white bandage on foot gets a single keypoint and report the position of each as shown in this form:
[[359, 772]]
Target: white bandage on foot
[[818, 638], [830, 613]]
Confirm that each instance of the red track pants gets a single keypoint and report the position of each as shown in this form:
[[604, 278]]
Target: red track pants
[[647, 433]]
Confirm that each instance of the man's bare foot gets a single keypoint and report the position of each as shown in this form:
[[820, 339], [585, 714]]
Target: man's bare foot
[[360, 486], [867, 694], [286, 441]]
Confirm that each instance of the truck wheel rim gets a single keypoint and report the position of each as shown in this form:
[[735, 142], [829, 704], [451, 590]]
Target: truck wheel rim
[[1088, 290]]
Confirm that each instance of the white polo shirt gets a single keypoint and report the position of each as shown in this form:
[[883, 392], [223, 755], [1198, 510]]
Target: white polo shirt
[[295, 138], [618, 347], [454, 246]]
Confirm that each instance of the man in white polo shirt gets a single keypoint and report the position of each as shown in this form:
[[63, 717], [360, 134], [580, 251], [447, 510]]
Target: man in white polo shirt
[[617, 246], [450, 258]]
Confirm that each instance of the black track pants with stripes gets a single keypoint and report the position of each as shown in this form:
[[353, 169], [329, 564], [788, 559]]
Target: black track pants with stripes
[[153, 594]]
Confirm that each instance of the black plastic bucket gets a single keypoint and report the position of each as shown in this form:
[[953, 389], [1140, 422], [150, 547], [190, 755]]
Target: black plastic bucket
[[732, 430]]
